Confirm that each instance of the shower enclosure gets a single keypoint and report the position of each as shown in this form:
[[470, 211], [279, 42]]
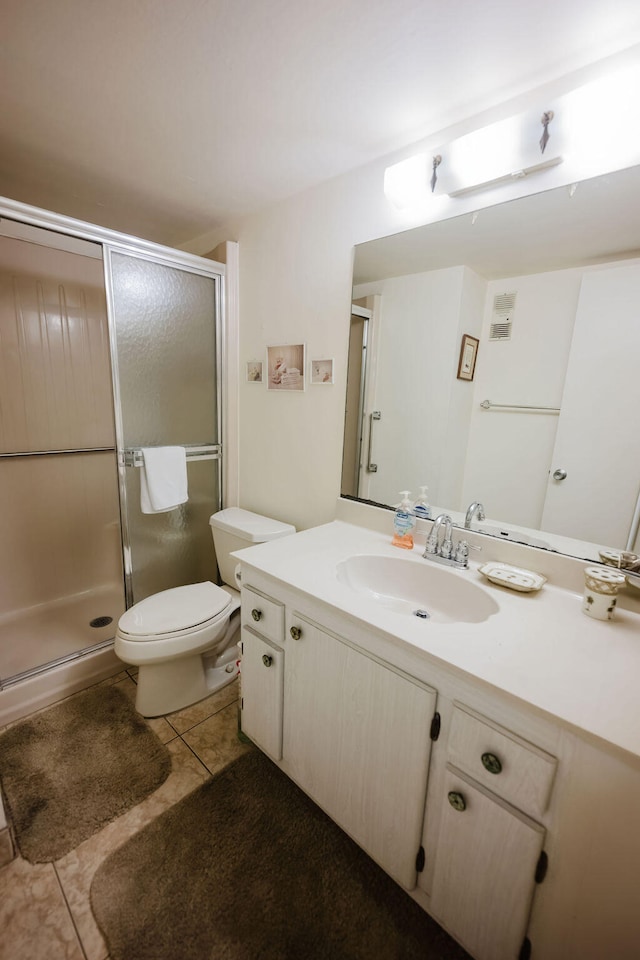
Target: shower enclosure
[[107, 345]]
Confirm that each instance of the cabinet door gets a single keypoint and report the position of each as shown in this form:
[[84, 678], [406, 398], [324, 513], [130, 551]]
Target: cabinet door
[[356, 739], [485, 866], [262, 687]]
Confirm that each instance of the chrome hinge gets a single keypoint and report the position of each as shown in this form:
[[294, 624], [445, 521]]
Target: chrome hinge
[[420, 860], [434, 733], [541, 867]]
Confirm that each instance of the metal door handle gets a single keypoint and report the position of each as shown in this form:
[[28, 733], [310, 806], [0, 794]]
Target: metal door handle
[[560, 474], [372, 467]]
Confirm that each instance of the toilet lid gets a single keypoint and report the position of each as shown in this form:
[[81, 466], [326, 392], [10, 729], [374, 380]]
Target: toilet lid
[[177, 609]]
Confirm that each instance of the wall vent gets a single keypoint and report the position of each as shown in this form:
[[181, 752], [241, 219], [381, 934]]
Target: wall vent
[[502, 318]]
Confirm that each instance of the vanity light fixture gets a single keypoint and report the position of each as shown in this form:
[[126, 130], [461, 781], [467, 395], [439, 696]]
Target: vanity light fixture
[[500, 153], [407, 184], [508, 150], [507, 177], [600, 123]]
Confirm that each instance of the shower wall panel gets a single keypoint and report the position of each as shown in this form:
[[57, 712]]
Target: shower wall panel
[[61, 534], [55, 378]]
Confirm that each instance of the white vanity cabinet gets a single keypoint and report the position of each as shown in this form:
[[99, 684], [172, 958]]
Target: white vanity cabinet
[[355, 733], [542, 690], [356, 739], [489, 844]]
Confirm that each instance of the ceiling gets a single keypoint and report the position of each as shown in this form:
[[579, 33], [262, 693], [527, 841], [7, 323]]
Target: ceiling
[[165, 118]]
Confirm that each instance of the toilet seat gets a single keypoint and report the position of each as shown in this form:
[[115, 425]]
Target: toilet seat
[[177, 612]]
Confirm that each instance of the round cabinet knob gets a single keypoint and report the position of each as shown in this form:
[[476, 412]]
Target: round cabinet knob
[[295, 632], [559, 474], [491, 763], [457, 801], [267, 660], [256, 614]]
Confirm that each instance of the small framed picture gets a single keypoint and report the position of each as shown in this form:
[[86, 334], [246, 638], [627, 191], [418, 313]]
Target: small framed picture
[[468, 357], [321, 371], [254, 371], [285, 367]]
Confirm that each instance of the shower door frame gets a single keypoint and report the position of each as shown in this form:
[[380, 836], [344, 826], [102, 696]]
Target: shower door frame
[[200, 270], [113, 242]]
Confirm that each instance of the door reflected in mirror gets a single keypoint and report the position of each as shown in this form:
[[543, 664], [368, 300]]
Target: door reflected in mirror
[[545, 434]]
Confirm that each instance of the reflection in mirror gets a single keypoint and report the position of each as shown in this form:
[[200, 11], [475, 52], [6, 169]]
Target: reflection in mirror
[[545, 433]]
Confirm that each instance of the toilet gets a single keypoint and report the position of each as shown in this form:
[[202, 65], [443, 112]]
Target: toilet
[[184, 641]]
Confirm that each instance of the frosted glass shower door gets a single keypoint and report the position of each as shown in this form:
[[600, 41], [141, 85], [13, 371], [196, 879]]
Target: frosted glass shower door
[[61, 583], [165, 321]]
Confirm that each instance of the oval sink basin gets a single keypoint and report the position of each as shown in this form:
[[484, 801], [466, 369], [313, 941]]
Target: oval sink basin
[[417, 589]]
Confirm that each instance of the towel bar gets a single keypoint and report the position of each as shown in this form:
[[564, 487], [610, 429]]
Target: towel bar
[[489, 405], [132, 456]]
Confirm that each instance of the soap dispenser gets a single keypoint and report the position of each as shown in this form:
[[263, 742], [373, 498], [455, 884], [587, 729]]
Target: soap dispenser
[[421, 507], [403, 523]]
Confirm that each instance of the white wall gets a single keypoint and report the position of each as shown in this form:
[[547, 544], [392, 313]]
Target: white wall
[[295, 285]]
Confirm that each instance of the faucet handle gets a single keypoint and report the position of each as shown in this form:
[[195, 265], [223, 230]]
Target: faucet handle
[[431, 546], [462, 552]]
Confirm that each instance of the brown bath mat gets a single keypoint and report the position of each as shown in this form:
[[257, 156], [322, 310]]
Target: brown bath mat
[[248, 867], [68, 771]]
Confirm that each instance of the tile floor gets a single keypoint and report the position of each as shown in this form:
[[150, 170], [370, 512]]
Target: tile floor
[[44, 908]]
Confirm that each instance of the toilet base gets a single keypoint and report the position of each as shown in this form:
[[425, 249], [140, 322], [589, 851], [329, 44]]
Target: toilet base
[[166, 687]]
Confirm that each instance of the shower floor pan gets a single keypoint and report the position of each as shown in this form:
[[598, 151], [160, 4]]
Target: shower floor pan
[[40, 636]]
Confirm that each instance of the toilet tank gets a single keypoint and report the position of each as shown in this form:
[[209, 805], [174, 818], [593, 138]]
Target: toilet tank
[[235, 529]]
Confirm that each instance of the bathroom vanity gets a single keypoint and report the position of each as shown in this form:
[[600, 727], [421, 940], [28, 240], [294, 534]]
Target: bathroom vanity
[[488, 757]]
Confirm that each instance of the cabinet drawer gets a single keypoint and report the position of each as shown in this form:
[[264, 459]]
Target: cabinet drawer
[[262, 613], [510, 767]]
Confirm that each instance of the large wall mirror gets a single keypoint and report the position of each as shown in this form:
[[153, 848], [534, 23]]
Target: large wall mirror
[[539, 421]]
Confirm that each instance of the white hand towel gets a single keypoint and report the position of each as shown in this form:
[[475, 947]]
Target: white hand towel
[[163, 479]]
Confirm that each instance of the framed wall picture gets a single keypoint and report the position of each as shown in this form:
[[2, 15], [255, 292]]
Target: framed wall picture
[[285, 367], [468, 357], [254, 371], [321, 371]]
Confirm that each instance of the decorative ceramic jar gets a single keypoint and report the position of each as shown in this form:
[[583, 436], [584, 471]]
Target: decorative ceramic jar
[[601, 585]]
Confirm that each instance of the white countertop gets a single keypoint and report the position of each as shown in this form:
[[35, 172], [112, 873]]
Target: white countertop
[[539, 647]]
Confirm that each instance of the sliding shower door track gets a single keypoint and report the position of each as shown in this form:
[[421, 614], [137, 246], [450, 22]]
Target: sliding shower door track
[[6, 682], [57, 453]]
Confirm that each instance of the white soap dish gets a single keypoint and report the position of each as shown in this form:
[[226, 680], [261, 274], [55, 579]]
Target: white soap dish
[[513, 577]]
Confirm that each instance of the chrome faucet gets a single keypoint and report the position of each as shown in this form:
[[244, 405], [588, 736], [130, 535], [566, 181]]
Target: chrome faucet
[[433, 547], [475, 510], [443, 551]]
